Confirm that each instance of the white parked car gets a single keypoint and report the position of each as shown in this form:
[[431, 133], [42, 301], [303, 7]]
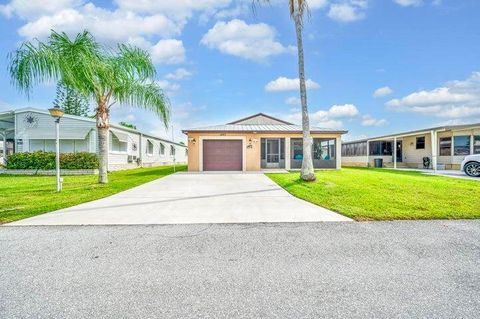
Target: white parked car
[[471, 165]]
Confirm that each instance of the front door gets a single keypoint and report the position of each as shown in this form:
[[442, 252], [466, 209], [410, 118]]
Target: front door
[[399, 151], [272, 152]]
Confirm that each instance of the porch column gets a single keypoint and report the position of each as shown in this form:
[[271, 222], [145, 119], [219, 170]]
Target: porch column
[[395, 152], [472, 140], [433, 135], [338, 152], [4, 134], [368, 153], [287, 153]]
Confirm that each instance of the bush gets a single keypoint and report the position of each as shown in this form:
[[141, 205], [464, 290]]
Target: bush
[[46, 161]]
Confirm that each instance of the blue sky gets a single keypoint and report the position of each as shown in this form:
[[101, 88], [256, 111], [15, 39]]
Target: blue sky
[[375, 66]]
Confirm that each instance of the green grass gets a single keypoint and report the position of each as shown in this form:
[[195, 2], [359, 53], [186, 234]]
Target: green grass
[[27, 196], [381, 194]]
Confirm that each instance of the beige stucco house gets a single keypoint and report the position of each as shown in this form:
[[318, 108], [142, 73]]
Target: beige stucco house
[[443, 147], [259, 142]]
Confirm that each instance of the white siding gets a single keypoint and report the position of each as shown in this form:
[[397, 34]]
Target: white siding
[[45, 127], [41, 136]]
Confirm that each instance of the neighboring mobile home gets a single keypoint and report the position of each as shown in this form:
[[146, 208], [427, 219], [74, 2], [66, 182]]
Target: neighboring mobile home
[[444, 147], [30, 130], [259, 142]]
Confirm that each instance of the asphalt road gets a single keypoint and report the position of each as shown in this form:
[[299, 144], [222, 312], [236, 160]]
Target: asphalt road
[[330, 270]]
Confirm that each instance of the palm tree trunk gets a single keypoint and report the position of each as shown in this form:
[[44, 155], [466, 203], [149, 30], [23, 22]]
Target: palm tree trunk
[[102, 129], [307, 172]]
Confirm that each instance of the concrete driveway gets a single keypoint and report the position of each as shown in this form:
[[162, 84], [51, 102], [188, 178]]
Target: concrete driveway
[[189, 198]]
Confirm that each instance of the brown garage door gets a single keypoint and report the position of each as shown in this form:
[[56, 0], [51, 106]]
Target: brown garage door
[[222, 155]]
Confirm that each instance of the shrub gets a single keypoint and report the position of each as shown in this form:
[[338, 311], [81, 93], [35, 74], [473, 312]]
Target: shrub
[[46, 161]]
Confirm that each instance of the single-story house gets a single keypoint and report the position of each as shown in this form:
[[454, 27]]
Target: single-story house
[[30, 130], [443, 147], [259, 142]]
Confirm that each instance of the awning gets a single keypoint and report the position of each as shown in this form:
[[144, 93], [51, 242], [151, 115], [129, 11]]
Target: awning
[[66, 133], [122, 136]]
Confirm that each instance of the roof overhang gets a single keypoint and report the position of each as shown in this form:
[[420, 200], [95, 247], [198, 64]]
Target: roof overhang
[[262, 132]]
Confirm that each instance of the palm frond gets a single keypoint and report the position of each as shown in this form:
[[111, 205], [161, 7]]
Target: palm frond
[[33, 64], [135, 61], [146, 95]]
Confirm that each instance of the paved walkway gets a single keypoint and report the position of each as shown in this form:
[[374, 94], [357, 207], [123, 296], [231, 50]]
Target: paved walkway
[[186, 198]]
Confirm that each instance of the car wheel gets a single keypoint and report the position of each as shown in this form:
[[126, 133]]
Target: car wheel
[[473, 169]]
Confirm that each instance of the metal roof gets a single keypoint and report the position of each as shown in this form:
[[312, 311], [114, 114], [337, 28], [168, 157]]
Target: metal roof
[[260, 128], [421, 131], [260, 114], [87, 119]]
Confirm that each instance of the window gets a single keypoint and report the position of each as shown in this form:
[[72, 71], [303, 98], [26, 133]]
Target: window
[[116, 145], [37, 145], [420, 143], [297, 147], [476, 144], [149, 147], [172, 150], [461, 145], [323, 149], [445, 146], [381, 148], [50, 145], [82, 145], [354, 149], [162, 149]]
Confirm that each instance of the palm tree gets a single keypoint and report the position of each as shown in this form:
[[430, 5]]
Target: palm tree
[[106, 76], [297, 8]]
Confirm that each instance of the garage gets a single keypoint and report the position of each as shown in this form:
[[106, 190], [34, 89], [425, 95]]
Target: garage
[[222, 155]]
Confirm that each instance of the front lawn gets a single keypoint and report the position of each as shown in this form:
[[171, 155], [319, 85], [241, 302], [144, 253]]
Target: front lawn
[[382, 194], [27, 196]]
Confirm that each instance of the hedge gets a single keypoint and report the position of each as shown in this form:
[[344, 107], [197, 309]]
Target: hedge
[[46, 160]]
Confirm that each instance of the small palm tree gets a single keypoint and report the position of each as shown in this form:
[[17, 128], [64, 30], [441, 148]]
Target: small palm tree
[[297, 10], [124, 75]]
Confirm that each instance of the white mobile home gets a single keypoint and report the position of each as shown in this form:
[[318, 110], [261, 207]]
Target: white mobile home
[[30, 130], [442, 147]]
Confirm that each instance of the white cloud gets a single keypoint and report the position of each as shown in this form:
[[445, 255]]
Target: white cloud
[[331, 124], [169, 51], [455, 99], [168, 86], [181, 8], [179, 74], [293, 100], [317, 4], [249, 41], [368, 120], [286, 84], [383, 91], [344, 110], [29, 9], [104, 24], [349, 11], [331, 118], [416, 3], [408, 3]]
